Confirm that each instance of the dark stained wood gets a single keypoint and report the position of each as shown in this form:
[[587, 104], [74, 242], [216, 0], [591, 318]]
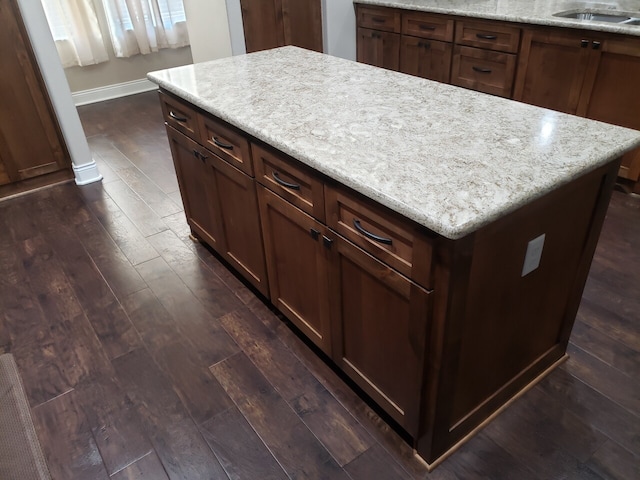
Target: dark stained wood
[[298, 283], [386, 19], [31, 143], [379, 325], [338, 431], [146, 468], [293, 445], [551, 69], [166, 422], [240, 450], [503, 37], [236, 150], [425, 25], [276, 23], [483, 70], [71, 452], [196, 323], [378, 48], [59, 347], [429, 59]]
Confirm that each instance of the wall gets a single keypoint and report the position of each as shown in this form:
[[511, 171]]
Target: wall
[[121, 70], [338, 28], [208, 29]]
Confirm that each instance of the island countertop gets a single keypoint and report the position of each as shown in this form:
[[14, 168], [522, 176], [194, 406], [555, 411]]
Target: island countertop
[[452, 160], [536, 12]]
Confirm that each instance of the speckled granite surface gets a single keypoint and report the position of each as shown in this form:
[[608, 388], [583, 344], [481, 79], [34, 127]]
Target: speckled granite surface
[[538, 12], [451, 159]]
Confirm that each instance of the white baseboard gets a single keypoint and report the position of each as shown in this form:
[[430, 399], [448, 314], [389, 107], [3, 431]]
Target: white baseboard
[[108, 92]]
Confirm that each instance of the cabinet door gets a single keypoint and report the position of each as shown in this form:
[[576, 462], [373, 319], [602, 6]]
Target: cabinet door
[[381, 49], [425, 58], [30, 140], [297, 266], [379, 327], [263, 24], [237, 203], [303, 23], [197, 187], [551, 69], [612, 92]]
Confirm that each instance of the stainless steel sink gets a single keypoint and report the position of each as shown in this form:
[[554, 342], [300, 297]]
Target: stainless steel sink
[[595, 16]]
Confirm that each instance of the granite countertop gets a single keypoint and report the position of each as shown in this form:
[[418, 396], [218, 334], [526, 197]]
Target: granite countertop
[[538, 12], [451, 159]]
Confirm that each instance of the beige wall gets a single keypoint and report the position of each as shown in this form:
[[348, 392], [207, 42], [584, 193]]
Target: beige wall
[[120, 70]]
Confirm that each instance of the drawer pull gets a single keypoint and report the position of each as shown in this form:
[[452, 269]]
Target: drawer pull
[[292, 186], [177, 118], [427, 27], [484, 36], [378, 19], [481, 70], [584, 43], [372, 236], [596, 45], [218, 143], [315, 234]]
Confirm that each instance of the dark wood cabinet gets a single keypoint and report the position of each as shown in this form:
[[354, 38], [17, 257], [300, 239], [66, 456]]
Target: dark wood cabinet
[[379, 326], [197, 187], [297, 265], [425, 58], [32, 149], [220, 201], [586, 74], [276, 23], [551, 70], [379, 48]]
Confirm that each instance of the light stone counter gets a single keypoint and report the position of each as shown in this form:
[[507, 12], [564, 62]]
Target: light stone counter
[[537, 12], [451, 159]]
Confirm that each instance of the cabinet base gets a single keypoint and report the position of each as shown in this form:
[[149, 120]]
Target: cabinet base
[[462, 441]]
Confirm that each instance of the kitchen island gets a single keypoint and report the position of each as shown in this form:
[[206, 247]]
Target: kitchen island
[[432, 241]]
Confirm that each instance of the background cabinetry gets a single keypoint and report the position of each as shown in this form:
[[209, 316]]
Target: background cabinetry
[[595, 76], [32, 150], [276, 23]]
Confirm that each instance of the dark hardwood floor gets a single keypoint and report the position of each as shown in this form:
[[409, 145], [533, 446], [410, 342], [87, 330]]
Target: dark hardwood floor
[[143, 357]]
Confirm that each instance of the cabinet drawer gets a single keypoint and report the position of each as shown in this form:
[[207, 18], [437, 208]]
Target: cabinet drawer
[[483, 70], [385, 235], [180, 116], [292, 181], [426, 58], [385, 19], [425, 25], [226, 142], [489, 35]]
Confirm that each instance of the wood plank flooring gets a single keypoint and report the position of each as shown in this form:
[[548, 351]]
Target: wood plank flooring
[[144, 358]]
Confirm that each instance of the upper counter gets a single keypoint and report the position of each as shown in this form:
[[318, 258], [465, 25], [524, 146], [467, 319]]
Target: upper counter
[[451, 159], [537, 12]]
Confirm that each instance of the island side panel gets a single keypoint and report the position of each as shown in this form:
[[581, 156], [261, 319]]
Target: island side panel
[[511, 328]]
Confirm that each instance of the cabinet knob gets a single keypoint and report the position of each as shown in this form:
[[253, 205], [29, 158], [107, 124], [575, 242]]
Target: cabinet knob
[[315, 234], [596, 45], [584, 43], [327, 242]]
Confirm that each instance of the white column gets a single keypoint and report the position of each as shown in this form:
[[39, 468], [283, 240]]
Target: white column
[[84, 167]]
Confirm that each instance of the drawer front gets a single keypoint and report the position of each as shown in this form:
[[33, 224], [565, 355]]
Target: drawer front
[[489, 35], [385, 19], [227, 142], [483, 70], [429, 59], [180, 116], [292, 181], [385, 235], [425, 25]]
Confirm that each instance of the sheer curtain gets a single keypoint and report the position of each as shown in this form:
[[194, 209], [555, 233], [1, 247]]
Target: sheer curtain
[[145, 26], [76, 32]]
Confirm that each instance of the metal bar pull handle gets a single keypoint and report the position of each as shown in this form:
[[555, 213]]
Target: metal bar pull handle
[[484, 36], [176, 117], [372, 236], [220, 144], [481, 69], [276, 177], [427, 27]]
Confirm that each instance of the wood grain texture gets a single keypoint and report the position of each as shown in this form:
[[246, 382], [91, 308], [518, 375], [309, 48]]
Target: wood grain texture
[[44, 297]]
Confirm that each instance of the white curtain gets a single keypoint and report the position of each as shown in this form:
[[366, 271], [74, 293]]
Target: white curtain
[[145, 26], [76, 32]]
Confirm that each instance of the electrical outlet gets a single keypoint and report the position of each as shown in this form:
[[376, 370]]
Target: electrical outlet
[[533, 255]]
